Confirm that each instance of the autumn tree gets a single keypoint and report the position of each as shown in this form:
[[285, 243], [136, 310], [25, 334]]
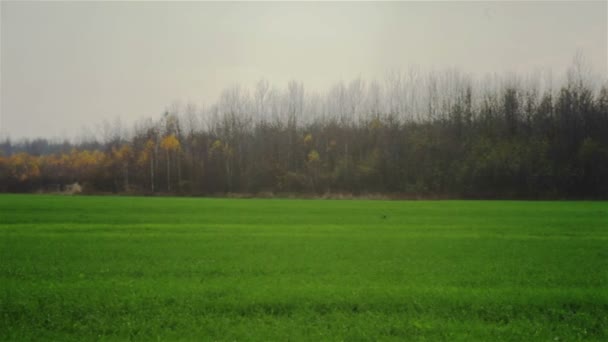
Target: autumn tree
[[121, 157], [170, 144], [440, 134], [146, 156]]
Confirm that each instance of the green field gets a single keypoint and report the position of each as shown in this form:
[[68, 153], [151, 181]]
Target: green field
[[116, 268]]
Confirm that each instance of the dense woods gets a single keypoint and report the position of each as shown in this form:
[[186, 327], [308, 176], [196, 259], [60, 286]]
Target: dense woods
[[413, 134]]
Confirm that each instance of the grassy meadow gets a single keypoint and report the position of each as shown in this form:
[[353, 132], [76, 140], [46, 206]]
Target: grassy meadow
[[120, 268]]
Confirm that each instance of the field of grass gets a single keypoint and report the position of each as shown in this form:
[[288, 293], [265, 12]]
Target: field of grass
[[116, 268]]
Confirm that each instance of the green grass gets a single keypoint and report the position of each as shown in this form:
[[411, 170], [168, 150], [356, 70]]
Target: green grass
[[116, 268]]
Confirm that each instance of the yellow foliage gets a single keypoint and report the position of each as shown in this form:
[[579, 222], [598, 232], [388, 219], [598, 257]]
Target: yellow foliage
[[216, 146], [219, 147], [375, 123], [23, 166], [313, 156], [121, 153], [308, 139], [146, 154], [149, 145], [170, 143]]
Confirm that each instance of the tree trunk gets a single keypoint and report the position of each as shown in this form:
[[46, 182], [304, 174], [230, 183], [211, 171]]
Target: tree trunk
[[179, 172], [152, 173], [168, 172], [126, 177], [156, 158]]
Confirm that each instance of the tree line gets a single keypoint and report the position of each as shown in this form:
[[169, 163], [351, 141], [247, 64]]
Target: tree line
[[413, 134]]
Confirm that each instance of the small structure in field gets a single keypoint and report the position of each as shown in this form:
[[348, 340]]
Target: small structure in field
[[72, 189]]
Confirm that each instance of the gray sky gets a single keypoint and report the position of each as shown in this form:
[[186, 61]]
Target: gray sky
[[65, 65]]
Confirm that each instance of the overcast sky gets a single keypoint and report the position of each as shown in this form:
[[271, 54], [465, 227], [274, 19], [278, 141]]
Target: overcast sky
[[65, 65]]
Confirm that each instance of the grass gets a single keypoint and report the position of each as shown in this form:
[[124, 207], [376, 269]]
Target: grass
[[118, 268]]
